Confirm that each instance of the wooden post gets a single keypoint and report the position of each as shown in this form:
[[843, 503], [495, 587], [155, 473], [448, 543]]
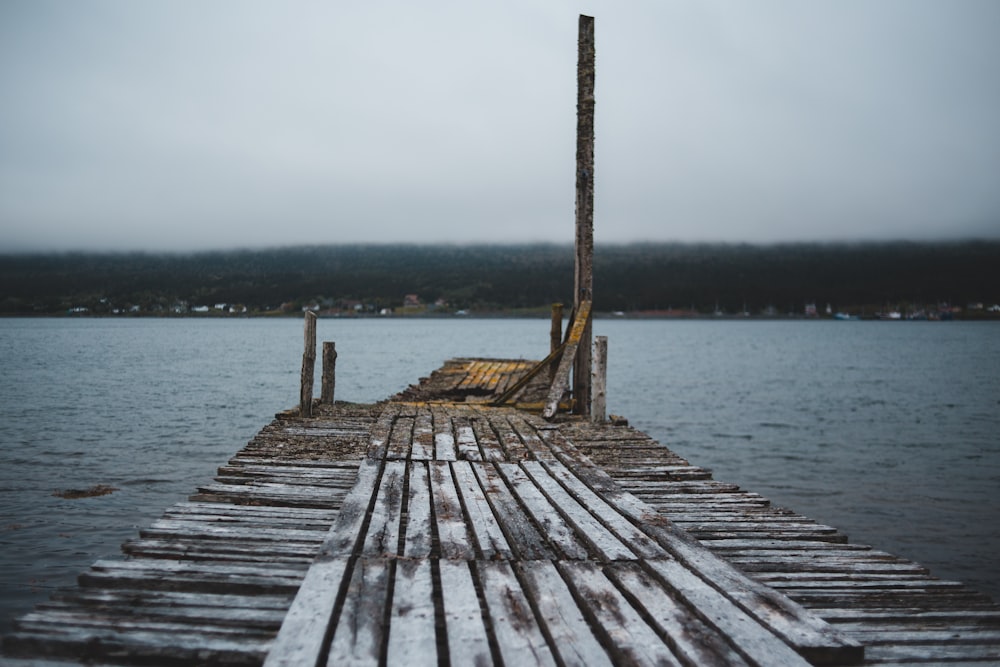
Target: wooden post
[[329, 381], [599, 404], [308, 366], [584, 274], [555, 334]]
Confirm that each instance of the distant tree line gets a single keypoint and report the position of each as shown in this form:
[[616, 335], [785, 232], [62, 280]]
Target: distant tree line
[[632, 278]]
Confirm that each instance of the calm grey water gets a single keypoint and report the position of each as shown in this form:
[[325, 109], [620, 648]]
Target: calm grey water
[[889, 431]]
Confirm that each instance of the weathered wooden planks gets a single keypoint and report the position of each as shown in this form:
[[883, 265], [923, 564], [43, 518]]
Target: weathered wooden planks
[[514, 508], [213, 580], [891, 605], [462, 534]]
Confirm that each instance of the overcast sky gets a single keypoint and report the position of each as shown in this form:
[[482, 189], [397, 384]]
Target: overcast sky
[[203, 124]]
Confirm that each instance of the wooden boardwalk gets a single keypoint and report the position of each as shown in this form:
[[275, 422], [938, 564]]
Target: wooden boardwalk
[[459, 533]]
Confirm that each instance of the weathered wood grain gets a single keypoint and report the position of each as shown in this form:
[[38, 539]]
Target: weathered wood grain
[[343, 537], [383, 532], [419, 522], [465, 437], [412, 617], [518, 635], [632, 640], [691, 638], [572, 635], [560, 381], [550, 522], [303, 633], [359, 631], [481, 522], [641, 543], [467, 635], [605, 544], [444, 437], [452, 530], [753, 638], [518, 526], [308, 365]]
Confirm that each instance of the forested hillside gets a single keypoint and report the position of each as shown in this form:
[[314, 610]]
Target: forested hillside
[[636, 278]]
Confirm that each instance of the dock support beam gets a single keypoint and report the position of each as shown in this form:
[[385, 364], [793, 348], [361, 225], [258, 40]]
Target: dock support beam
[[308, 366], [329, 381], [599, 381], [584, 274]]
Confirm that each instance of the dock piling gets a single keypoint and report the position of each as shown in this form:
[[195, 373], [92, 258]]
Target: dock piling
[[308, 366], [329, 380], [555, 334], [584, 273], [599, 381]]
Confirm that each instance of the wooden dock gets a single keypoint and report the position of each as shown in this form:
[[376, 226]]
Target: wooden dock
[[471, 521], [447, 531]]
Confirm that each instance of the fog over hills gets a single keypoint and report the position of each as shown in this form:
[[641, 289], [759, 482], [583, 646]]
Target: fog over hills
[[860, 278]]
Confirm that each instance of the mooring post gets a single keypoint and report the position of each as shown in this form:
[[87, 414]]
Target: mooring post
[[599, 404], [555, 333], [555, 337], [329, 379], [308, 366], [584, 274]]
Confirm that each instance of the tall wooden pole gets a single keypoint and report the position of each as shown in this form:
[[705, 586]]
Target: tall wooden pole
[[584, 280]]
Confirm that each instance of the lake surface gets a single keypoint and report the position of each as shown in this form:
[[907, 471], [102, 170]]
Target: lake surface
[[889, 431]]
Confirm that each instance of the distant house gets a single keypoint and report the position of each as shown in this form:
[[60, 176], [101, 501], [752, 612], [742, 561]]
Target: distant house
[[811, 310], [411, 301], [200, 309]]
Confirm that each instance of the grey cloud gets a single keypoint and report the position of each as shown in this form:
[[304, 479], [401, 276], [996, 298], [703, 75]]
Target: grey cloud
[[192, 125]]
